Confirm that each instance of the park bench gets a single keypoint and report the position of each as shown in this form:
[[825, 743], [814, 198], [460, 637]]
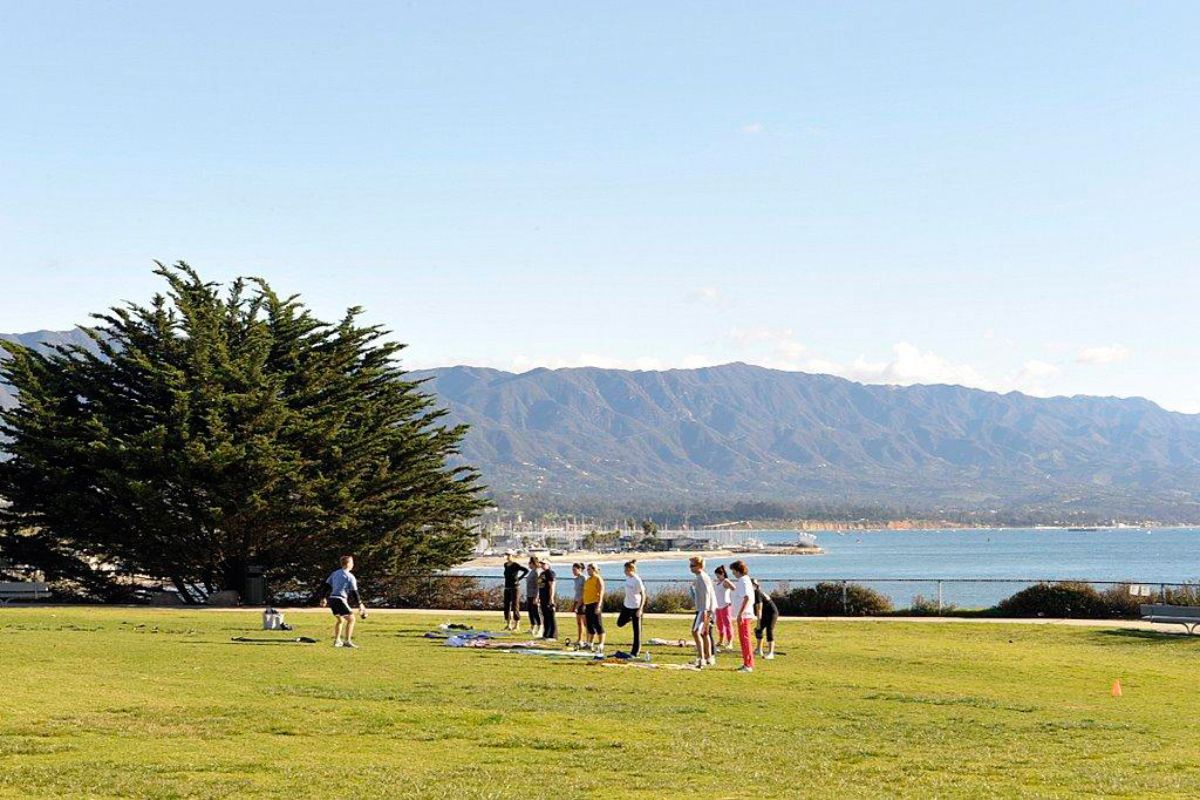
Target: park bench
[[1187, 616], [23, 590]]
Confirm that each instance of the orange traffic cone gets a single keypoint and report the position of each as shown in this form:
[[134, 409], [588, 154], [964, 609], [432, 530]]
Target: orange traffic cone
[[1116, 690]]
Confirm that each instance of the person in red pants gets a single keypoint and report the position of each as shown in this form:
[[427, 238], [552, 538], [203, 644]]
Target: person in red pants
[[743, 612]]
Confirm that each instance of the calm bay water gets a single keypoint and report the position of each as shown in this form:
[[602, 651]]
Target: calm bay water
[[1128, 554]]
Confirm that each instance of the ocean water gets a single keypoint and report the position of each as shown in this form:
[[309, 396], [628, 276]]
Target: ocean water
[[994, 562]]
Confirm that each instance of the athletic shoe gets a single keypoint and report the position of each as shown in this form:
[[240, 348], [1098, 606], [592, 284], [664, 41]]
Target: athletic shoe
[[758, 652], [769, 656], [352, 644], [698, 663], [745, 669], [339, 643], [712, 661]]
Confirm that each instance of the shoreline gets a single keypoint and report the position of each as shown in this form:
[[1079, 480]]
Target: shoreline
[[570, 557]]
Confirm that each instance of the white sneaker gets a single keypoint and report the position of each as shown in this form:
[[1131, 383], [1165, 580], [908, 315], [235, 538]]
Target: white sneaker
[[351, 644], [745, 669], [712, 661], [339, 643], [769, 656]]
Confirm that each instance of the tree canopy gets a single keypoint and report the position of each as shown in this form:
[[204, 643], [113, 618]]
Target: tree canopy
[[224, 427]]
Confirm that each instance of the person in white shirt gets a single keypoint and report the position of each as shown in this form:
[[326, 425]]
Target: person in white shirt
[[706, 602], [724, 589], [635, 603], [743, 611]]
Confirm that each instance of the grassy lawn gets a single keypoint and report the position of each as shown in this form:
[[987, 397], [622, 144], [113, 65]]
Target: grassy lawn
[[160, 703]]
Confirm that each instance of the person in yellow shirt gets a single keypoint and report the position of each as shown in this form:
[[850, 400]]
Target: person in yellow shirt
[[593, 603]]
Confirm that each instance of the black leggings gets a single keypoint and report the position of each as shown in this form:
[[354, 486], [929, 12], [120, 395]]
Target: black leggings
[[512, 609], [535, 613], [592, 619], [550, 622], [631, 615], [766, 624]]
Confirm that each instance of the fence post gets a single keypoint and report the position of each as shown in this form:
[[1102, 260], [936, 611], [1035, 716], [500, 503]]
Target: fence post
[[1162, 593], [939, 598], [845, 603]]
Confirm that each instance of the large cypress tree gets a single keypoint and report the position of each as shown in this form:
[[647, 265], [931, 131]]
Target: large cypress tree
[[223, 428]]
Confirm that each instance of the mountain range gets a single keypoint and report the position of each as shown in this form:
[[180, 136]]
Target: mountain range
[[43, 339], [574, 438], [739, 431]]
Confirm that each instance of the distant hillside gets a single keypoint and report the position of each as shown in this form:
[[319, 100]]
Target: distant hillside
[[42, 338], [745, 431], [575, 438]]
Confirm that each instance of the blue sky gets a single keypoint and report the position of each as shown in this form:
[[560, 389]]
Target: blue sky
[[1003, 195]]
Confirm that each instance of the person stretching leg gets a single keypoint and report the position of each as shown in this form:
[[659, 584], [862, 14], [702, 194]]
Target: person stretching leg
[[702, 590], [634, 605], [743, 608], [339, 592], [768, 614]]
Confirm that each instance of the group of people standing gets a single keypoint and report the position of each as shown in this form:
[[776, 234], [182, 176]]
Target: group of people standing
[[540, 584], [722, 601]]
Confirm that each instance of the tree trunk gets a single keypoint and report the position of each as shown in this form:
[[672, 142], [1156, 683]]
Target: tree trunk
[[183, 590]]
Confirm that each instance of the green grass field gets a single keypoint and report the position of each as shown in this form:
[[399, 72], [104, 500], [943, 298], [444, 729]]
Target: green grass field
[[159, 703]]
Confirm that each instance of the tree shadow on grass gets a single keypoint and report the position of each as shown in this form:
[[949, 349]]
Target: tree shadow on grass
[[1179, 637]]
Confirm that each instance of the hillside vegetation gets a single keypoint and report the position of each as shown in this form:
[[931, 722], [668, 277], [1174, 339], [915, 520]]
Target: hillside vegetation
[[744, 431]]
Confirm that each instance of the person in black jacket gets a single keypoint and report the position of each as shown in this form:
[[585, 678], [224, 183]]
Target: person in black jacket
[[513, 572], [547, 589], [768, 614]]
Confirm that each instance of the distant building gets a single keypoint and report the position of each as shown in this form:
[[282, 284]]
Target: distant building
[[687, 543]]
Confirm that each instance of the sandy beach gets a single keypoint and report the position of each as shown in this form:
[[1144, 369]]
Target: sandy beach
[[584, 556]]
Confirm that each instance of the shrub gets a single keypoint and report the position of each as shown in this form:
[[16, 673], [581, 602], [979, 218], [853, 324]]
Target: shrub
[[828, 600], [670, 601], [1064, 599], [458, 592], [923, 606], [1179, 596], [1121, 603], [613, 602]]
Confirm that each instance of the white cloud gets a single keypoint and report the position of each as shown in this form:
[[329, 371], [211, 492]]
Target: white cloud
[[753, 128], [777, 348], [523, 363], [910, 364], [697, 361], [1032, 377], [707, 294], [757, 334], [1100, 356]]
